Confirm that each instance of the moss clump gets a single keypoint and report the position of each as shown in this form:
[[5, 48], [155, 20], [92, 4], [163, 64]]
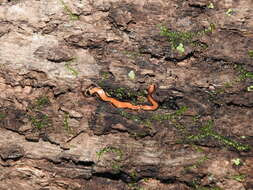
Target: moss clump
[[66, 123], [105, 75], [177, 38], [70, 68], [169, 116], [155, 117], [39, 121], [206, 188], [243, 73], [131, 54], [2, 116], [250, 53], [68, 11], [239, 177], [207, 131], [132, 117], [125, 94], [115, 163], [117, 151], [41, 102], [197, 163]]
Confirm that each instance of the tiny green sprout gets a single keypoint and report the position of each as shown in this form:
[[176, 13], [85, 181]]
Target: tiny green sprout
[[131, 75], [229, 12], [250, 88], [180, 48], [236, 161], [210, 5]]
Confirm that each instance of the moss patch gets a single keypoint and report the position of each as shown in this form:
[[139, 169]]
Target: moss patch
[[207, 131], [105, 150], [243, 73], [117, 157], [70, 68], [250, 53], [179, 39], [68, 11], [39, 120], [66, 126], [2, 116], [148, 119]]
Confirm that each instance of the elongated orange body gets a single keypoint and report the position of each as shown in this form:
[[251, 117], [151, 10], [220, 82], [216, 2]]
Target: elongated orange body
[[119, 104]]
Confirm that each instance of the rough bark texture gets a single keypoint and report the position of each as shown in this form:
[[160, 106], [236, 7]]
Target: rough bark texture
[[198, 52]]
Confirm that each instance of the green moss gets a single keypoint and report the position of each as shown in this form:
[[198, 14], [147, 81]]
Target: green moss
[[250, 88], [132, 117], [105, 150], [41, 102], [125, 94], [121, 93], [131, 54], [196, 185], [207, 188], [131, 75], [179, 39], [70, 68], [175, 38], [2, 116], [197, 163], [243, 73], [228, 84], [66, 123], [207, 131], [116, 167], [169, 116], [210, 5], [105, 75], [230, 12], [39, 121], [236, 161], [115, 163], [68, 11], [250, 53], [239, 177], [173, 117]]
